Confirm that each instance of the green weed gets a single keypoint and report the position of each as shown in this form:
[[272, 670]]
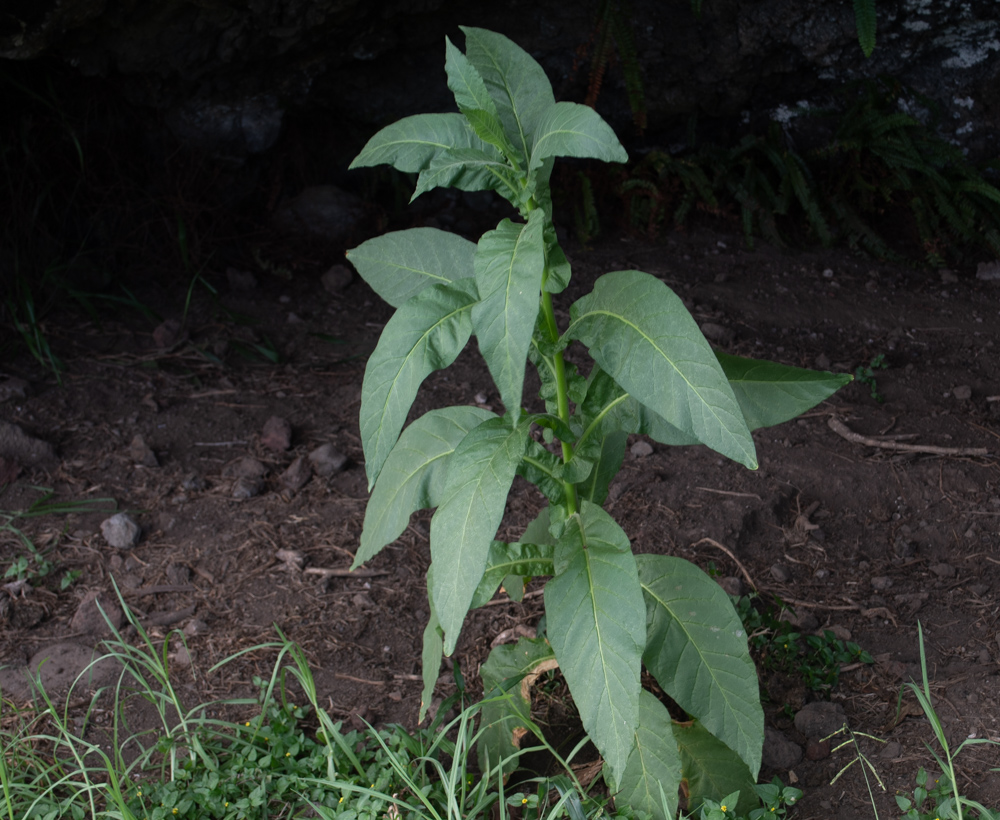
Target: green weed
[[865, 374]]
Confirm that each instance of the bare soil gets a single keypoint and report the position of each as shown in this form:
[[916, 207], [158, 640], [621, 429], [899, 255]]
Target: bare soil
[[865, 538]]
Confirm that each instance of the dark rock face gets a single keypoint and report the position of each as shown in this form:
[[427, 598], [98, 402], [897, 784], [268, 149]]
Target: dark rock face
[[226, 74]]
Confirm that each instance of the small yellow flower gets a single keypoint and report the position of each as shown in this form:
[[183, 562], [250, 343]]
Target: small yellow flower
[[723, 807], [341, 800], [227, 804], [174, 810], [247, 723], [288, 754], [266, 739], [524, 800]]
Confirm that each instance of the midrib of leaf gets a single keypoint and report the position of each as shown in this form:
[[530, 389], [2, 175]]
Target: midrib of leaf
[[536, 463], [611, 405], [597, 623], [513, 102], [691, 642], [440, 279]]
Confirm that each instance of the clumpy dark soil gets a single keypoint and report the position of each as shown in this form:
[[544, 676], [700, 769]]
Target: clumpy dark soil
[[863, 538]]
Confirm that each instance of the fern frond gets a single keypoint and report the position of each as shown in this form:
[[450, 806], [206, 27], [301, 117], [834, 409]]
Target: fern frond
[[864, 17]]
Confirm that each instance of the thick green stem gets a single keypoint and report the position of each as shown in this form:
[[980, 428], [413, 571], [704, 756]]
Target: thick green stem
[[562, 392]]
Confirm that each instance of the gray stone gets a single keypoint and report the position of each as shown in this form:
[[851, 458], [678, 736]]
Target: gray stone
[[245, 467], [988, 271], [641, 449], [943, 570], [168, 333], [26, 450], [142, 453], [327, 460], [13, 388], [336, 279], [297, 474], [781, 573], [820, 719], [780, 753], [247, 487], [881, 582], [90, 620], [963, 392], [893, 750], [120, 531], [277, 434]]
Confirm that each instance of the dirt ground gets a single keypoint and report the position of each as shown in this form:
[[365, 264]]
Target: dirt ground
[[864, 538]]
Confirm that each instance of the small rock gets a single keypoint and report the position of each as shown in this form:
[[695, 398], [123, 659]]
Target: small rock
[[841, 633], [717, 333], [780, 753], [802, 621], [481, 398], [979, 589], [120, 531], [781, 573], [297, 474], [731, 584], [88, 618], [943, 570], [963, 392], [820, 719], [327, 460], [142, 453], [18, 446], [292, 560], [336, 279], [988, 271], [822, 361], [13, 388], [641, 449], [245, 467], [168, 333], [881, 582], [247, 487], [817, 749], [893, 750], [193, 482], [195, 627], [277, 434], [241, 279], [984, 657]]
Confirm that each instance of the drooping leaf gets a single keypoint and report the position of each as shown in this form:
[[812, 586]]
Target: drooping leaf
[[596, 623], [515, 81], [654, 765], [400, 264], [431, 656], [640, 333], [770, 393], [511, 559], [696, 648], [414, 475], [572, 130], [427, 333], [864, 17], [411, 143], [509, 262], [480, 473], [712, 770], [506, 711], [468, 169]]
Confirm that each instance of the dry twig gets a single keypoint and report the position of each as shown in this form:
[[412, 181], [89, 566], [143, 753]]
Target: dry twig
[[844, 431]]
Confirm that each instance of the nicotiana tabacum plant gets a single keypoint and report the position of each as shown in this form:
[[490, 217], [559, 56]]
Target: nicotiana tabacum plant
[[608, 612]]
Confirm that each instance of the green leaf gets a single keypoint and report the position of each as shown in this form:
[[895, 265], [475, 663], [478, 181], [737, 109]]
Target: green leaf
[[544, 470], [474, 100], [507, 704], [480, 473], [770, 393], [572, 130], [468, 169], [711, 769], [639, 332], [399, 265], [509, 262], [517, 84], [410, 144], [414, 474], [654, 764], [431, 655], [609, 461], [426, 334], [596, 623], [864, 17], [511, 559], [696, 648]]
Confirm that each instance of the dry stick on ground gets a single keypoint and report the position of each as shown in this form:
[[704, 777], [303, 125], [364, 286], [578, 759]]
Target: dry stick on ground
[[728, 552], [843, 430], [345, 573]]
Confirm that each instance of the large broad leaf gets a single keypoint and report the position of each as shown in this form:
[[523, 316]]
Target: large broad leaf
[[511, 559], [696, 648], [517, 84], [573, 130], [480, 473], [431, 656], [509, 262], [712, 770], [597, 625], [425, 334], [469, 169], [414, 474], [400, 264], [411, 143], [639, 331], [770, 393], [506, 712], [653, 773]]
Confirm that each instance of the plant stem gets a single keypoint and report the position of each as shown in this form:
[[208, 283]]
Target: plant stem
[[562, 393]]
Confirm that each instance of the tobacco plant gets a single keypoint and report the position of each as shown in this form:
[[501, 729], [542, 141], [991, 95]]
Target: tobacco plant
[[609, 612]]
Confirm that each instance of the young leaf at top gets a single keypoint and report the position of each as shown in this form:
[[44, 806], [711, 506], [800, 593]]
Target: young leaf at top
[[654, 764], [480, 473], [516, 82], [696, 648], [770, 393], [573, 130], [410, 144], [400, 264], [509, 262], [469, 169], [597, 626], [425, 334], [414, 475], [639, 331]]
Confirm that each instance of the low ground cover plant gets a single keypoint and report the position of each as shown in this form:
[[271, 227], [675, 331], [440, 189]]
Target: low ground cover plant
[[608, 612]]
